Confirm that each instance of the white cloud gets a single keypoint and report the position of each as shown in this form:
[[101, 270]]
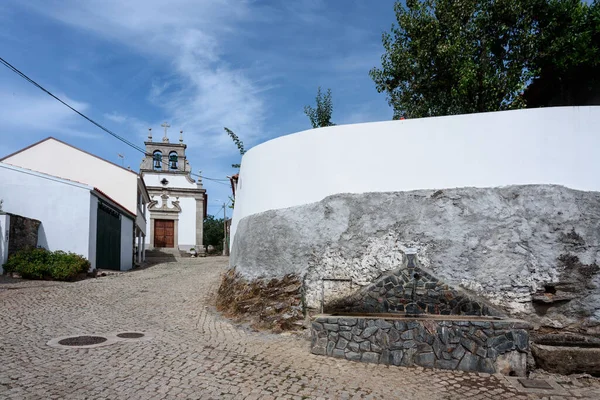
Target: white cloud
[[24, 113], [205, 93]]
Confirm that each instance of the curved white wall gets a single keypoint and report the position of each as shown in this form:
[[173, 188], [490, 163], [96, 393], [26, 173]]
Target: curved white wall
[[545, 146]]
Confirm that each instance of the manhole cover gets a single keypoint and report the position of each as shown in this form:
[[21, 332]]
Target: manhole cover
[[82, 340], [535, 384], [130, 335]]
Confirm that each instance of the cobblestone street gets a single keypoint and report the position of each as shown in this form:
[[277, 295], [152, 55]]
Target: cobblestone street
[[194, 353]]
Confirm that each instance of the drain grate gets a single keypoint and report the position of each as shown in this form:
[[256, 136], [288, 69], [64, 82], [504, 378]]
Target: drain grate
[[130, 335], [82, 340]]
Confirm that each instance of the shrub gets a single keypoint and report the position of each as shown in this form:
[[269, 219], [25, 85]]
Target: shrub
[[66, 266], [43, 264]]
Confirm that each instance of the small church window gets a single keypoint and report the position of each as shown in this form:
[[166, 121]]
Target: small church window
[[157, 156], [173, 160]]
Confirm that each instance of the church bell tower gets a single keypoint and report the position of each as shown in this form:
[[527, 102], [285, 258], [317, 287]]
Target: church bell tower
[[178, 202]]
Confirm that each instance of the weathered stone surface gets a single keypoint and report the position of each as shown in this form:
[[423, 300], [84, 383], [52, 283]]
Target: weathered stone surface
[[511, 363], [520, 230], [23, 233], [338, 353], [331, 327], [370, 357], [521, 339], [425, 360], [354, 347], [330, 346], [458, 352], [396, 357], [353, 356], [369, 331], [383, 324], [469, 362], [341, 343], [365, 346], [347, 321], [407, 335], [468, 353], [567, 360], [446, 364]]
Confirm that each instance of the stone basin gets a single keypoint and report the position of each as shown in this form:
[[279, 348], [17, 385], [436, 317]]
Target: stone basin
[[456, 342], [567, 354]]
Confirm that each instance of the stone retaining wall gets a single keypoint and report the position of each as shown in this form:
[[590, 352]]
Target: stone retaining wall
[[411, 290], [467, 345], [23, 233]]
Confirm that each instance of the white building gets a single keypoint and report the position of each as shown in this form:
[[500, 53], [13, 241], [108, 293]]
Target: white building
[[178, 203], [121, 186], [75, 217]]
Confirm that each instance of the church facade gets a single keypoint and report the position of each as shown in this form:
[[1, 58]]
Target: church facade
[[177, 205]]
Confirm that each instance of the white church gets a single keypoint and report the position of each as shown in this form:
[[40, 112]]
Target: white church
[[177, 205]]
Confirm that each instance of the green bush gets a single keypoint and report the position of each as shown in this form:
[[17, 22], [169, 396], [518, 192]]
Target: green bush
[[44, 264]]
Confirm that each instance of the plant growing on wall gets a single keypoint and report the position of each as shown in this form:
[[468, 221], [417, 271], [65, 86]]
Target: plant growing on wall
[[238, 143], [321, 115]]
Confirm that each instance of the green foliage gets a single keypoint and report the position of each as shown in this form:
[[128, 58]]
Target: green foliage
[[43, 264], [214, 232], [449, 57], [321, 116], [567, 58], [238, 143], [66, 266], [456, 56]]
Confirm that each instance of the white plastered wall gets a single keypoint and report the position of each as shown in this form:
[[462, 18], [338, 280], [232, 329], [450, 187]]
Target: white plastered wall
[[126, 243], [4, 229], [55, 158], [63, 208], [187, 222], [534, 146]]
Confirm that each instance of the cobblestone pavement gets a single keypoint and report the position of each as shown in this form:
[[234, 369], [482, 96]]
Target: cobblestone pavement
[[195, 353]]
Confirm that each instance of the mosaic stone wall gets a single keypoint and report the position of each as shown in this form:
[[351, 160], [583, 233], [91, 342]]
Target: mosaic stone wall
[[413, 291], [473, 345]]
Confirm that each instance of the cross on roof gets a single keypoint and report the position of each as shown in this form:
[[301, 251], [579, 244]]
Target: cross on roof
[[166, 126]]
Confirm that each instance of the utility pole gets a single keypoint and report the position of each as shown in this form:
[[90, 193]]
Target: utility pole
[[225, 244]]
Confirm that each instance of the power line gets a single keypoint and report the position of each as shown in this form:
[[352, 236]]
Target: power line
[[122, 139]]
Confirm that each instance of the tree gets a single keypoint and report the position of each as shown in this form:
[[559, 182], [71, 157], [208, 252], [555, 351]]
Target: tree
[[238, 143], [320, 116], [214, 232], [456, 56], [567, 58]]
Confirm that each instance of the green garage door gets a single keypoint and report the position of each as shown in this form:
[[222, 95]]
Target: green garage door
[[108, 238]]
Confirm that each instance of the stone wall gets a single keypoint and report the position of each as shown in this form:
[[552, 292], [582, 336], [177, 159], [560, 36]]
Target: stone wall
[[514, 246], [413, 291], [474, 345], [23, 233]]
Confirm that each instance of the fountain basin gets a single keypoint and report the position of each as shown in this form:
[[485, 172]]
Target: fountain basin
[[456, 342]]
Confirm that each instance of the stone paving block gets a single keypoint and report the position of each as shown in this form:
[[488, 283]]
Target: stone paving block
[[197, 353]]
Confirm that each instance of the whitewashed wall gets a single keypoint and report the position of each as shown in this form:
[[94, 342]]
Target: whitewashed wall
[[55, 158], [62, 207], [4, 228], [93, 231], [545, 146], [187, 222], [126, 243], [177, 181]]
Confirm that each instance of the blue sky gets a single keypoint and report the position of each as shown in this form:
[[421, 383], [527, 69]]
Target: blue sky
[[250, 65]]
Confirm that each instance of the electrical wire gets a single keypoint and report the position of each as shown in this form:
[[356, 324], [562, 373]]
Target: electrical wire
[[116, 136]]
